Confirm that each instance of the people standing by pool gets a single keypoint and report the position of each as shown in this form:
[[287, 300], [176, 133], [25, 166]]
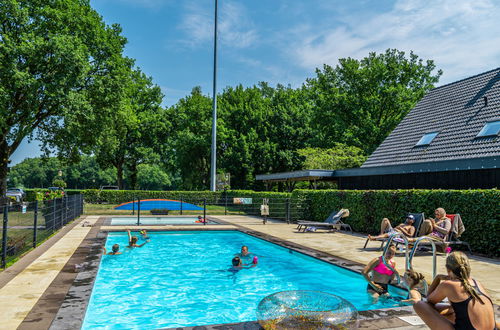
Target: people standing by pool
[[470, 307], [132, 241], [378, 275], [412, 279], [386, 230], [114, 250]]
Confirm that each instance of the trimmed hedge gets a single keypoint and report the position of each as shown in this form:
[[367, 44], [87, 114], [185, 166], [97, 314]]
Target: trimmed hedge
[[480, 210]]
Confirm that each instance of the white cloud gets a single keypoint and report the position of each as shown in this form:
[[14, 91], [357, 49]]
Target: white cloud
[[461, 36], [235, 29]]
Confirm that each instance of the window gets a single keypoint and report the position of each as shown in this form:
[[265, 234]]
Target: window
[[427, 139], [490, 129]]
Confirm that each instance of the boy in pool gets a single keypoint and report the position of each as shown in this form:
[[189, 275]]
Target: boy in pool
[[132, 241], [247, 258], [144, 235], [115, 250]]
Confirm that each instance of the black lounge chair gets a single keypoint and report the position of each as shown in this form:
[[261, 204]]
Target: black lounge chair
[[419, 218], [334, 221]]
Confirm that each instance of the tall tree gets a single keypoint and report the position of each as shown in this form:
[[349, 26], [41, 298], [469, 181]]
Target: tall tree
[[359, 102], [55, 57]]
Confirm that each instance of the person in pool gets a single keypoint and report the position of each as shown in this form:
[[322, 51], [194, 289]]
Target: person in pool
[[378, 275], [248, 258], [412, 279], [144, 235], [132, 241], [200, 219], [114, 250]]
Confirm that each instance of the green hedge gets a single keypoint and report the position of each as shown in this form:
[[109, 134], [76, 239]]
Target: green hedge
[[480, 210]]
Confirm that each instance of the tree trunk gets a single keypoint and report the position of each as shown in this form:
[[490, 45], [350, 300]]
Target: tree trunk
[[119, 176], [133, 176]]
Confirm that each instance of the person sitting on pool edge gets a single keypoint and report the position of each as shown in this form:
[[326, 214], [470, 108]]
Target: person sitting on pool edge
[[386, 230], [115, 250], [381, 275], [132, 241], [201, 219], [248, 258]]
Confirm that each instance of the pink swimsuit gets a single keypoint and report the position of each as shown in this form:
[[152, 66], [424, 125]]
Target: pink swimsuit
[[382, 269]]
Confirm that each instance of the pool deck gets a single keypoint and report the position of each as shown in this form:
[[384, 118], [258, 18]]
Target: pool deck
[[36, 285]]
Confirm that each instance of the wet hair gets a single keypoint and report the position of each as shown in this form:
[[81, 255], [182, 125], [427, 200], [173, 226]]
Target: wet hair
[[244, 246], [441, 212], [133, 240], [458, 263], [416, 277], [115, 248], [200, 217], [236, 261]]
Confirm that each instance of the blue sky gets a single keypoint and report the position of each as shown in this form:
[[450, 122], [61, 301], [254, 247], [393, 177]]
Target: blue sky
[[283, 41]]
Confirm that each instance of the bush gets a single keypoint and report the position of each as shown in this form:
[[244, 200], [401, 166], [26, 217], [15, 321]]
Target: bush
[[159, 211], [480, 210]]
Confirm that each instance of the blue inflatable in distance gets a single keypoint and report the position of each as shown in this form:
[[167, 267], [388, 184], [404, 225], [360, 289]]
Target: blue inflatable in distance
[[149, 204]]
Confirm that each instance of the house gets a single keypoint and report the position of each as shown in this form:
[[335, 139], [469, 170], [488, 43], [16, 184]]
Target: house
[[449, 140]]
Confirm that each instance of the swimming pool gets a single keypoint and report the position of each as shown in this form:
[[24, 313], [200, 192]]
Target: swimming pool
[[181, 279], [125, 221]]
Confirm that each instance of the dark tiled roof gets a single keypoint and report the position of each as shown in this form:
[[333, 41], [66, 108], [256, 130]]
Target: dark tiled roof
[[458, 112]]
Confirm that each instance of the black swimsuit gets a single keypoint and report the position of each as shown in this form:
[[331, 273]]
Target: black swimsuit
[[462, 320]]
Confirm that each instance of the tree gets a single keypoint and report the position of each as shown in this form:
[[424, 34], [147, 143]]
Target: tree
[[58, 62], [152, 177], [339, 157], [359, 102]]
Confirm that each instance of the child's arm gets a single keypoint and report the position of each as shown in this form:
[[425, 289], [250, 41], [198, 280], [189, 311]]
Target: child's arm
[[129, 236], [141, 245], [415, 296], [104, 251]]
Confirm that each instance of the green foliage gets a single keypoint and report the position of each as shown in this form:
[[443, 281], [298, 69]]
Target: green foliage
[[359, 102], [338, 157], [59, 183], [479, 209]]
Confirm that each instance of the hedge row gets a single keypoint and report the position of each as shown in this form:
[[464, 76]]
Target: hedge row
[[479, 209]]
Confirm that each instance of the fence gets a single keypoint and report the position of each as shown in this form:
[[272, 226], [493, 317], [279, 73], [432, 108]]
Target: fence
[[26, 225], [285, 209]]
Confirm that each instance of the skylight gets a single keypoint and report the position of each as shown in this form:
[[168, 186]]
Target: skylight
[[490, 129], [427, 139]]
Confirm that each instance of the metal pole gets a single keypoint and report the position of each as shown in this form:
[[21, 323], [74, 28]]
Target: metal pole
[[138, 211], [213, 169], [181, 205], [288, 210], [225, 202], [35, 224], [4, 234], [204, 211], [133, 206]]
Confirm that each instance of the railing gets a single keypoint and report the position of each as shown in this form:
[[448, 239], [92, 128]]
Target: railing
[[284, 209], [26, 225]]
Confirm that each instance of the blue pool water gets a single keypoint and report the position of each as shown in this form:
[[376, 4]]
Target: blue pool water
[[125, 221], [181, 279]]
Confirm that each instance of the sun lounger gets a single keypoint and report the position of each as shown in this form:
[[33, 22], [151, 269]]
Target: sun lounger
[[452, 238], [419, 218], [334, 221]]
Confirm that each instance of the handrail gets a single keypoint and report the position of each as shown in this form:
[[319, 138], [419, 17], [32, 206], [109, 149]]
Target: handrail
[[407, 263], [412, 254]]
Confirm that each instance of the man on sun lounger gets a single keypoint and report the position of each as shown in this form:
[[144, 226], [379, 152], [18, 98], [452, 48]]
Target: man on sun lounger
[[386, 230]]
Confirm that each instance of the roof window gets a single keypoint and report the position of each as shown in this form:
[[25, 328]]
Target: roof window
[[490, 129], [427, 139]]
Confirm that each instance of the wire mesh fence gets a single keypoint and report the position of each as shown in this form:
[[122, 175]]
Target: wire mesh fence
[[25, 225]]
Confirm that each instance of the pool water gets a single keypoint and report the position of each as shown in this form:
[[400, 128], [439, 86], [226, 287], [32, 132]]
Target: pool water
[[124, 221], [181, 279]]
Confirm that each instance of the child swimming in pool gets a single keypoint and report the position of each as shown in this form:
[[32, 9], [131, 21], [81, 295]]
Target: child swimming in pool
[[412, 280], [144, 235], [115, 250], [132, 241], [378, 275]]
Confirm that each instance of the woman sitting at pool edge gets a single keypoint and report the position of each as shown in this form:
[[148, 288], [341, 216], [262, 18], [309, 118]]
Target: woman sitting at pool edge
[[132, 241], [470, 307]]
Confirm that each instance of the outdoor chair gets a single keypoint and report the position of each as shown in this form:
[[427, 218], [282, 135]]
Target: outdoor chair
[[452, 238], [333, 222], [419, 218]]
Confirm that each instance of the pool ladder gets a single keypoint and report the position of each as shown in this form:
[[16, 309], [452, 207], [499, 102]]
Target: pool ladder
[[409, 256]]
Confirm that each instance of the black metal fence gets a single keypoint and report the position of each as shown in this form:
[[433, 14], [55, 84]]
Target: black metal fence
[[284, 209], [26, 225]]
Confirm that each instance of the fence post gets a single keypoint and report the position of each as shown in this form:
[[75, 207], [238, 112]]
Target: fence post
[[138, 211], [4, 234], [288, 210], [35, 224], [204, 211], [133, 206], [181, 205], [61, 213], [225, 201]]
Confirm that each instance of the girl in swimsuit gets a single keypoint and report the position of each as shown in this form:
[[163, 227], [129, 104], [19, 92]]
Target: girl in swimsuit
[[412, 280], [381, 275], [470, 307]]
